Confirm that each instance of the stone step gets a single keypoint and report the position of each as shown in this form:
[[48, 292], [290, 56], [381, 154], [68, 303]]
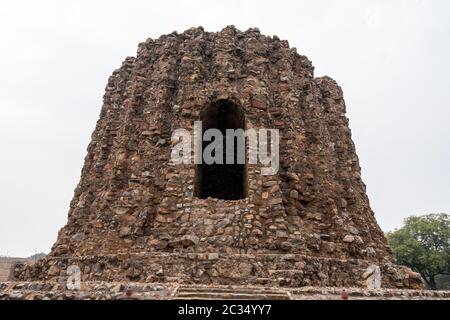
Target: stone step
[[232, 290], [213, 295]]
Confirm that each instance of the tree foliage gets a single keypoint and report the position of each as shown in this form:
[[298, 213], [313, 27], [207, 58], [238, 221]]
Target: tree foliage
[[423, 244], [38, 256]]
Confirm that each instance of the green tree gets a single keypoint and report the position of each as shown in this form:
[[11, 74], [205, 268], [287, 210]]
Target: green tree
[[423, 244], [443, 282], [38, 256]]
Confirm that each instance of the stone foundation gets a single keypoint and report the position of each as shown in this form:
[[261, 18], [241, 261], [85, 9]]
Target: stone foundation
[[164, 291], [284, 270]]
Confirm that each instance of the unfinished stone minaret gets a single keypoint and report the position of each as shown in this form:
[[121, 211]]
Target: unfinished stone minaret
[[136, 216]]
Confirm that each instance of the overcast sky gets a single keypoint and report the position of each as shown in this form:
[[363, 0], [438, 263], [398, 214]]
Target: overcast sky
[[390, 57]]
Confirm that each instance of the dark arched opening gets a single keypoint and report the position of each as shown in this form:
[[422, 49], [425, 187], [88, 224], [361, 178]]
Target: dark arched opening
[[222, 180]]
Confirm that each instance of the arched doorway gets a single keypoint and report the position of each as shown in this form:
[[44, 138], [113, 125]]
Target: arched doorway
[[223, 180]]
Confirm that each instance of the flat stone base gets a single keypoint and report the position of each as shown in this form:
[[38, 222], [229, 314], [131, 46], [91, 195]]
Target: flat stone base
[[169, 291]]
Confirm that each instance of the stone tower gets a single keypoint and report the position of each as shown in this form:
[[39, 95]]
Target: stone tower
[[136, 216]]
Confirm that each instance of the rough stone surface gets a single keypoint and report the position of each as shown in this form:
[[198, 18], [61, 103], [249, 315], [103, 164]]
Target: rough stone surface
[[135, 217], [7, 266], [167, 291]]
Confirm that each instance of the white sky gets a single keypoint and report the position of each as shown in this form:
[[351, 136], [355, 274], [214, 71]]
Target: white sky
[[390, 57]]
